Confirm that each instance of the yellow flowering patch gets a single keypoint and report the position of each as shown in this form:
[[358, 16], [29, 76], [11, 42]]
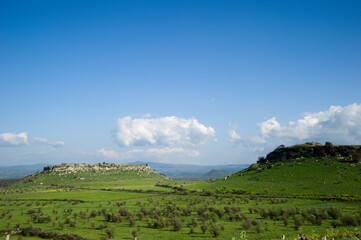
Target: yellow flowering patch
[[53, 190]]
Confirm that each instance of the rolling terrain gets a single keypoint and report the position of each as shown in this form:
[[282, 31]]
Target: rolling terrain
[[174, 171], [304, 189]]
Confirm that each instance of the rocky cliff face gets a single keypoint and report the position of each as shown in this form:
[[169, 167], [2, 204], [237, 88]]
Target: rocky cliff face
[[313, 149], [74, 168]]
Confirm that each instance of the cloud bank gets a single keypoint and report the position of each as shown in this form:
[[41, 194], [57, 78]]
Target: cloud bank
[[163, 131], [151, 153], [108, 153], [234, 136], [12, 139], [337, 124], [47, 142], [21, 139]]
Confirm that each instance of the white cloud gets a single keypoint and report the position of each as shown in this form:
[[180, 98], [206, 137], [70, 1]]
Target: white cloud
[[168, 154], [58, 144], [40, 140], [147, 115], [168, 150], [108, 153], [164, 131], [268, 126], [151, 153], [47, 142], [11, 139], [234, 136], [336, 124]]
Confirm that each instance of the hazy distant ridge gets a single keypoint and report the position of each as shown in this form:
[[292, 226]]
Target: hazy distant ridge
[[188, 171]]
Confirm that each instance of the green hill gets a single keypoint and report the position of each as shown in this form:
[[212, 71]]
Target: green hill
[[309, 189], [294, 173], [95, 176]]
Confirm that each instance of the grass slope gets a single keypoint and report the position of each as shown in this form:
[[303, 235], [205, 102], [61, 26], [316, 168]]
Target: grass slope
[[316, 176], [315, 196], [113, 178], [214, 173]]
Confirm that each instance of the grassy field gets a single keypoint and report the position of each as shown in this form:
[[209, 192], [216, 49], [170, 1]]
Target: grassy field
[[318, 176], [316, 197]]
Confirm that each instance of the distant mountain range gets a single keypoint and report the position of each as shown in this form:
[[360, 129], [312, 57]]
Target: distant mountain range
[[198, 172], [20, 171], [175, 171]]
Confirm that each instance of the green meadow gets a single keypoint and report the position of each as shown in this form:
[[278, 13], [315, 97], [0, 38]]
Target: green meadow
[[315, 196]]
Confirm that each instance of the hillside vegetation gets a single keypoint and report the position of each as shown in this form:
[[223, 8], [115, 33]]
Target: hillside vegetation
[[289, 192], [93, 176], [307, 169]]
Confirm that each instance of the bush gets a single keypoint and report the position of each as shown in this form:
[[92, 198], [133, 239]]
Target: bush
[[297, 223], [258, 228], [110, 233], [247, 224], [336, 223], [131, 221], [177, 225], [194, 222], [335, 213], [123, 212], [285, 220], [204, 228], [72, 224], [348, 220], [215, 230]]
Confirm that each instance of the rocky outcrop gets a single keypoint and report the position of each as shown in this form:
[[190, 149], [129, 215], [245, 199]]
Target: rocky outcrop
[[74, 168], [312, 149]]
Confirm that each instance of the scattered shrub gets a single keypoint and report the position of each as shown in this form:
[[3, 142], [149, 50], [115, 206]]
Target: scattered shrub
[[204, 228], [335, 213], [177, 225], [348, 220], [247, 224], [110, 233]]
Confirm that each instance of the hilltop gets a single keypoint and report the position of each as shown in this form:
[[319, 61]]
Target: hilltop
[[78, 168], [310, 169], [313, 149], [99, 175]]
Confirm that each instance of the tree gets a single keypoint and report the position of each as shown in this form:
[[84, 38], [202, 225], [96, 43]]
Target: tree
[[177, 225], [110, 233], [204, 228], [215, 230], [131, 221], [247, 224]]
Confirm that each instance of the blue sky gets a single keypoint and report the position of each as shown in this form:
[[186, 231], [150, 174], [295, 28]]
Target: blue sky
[[203, 82]]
